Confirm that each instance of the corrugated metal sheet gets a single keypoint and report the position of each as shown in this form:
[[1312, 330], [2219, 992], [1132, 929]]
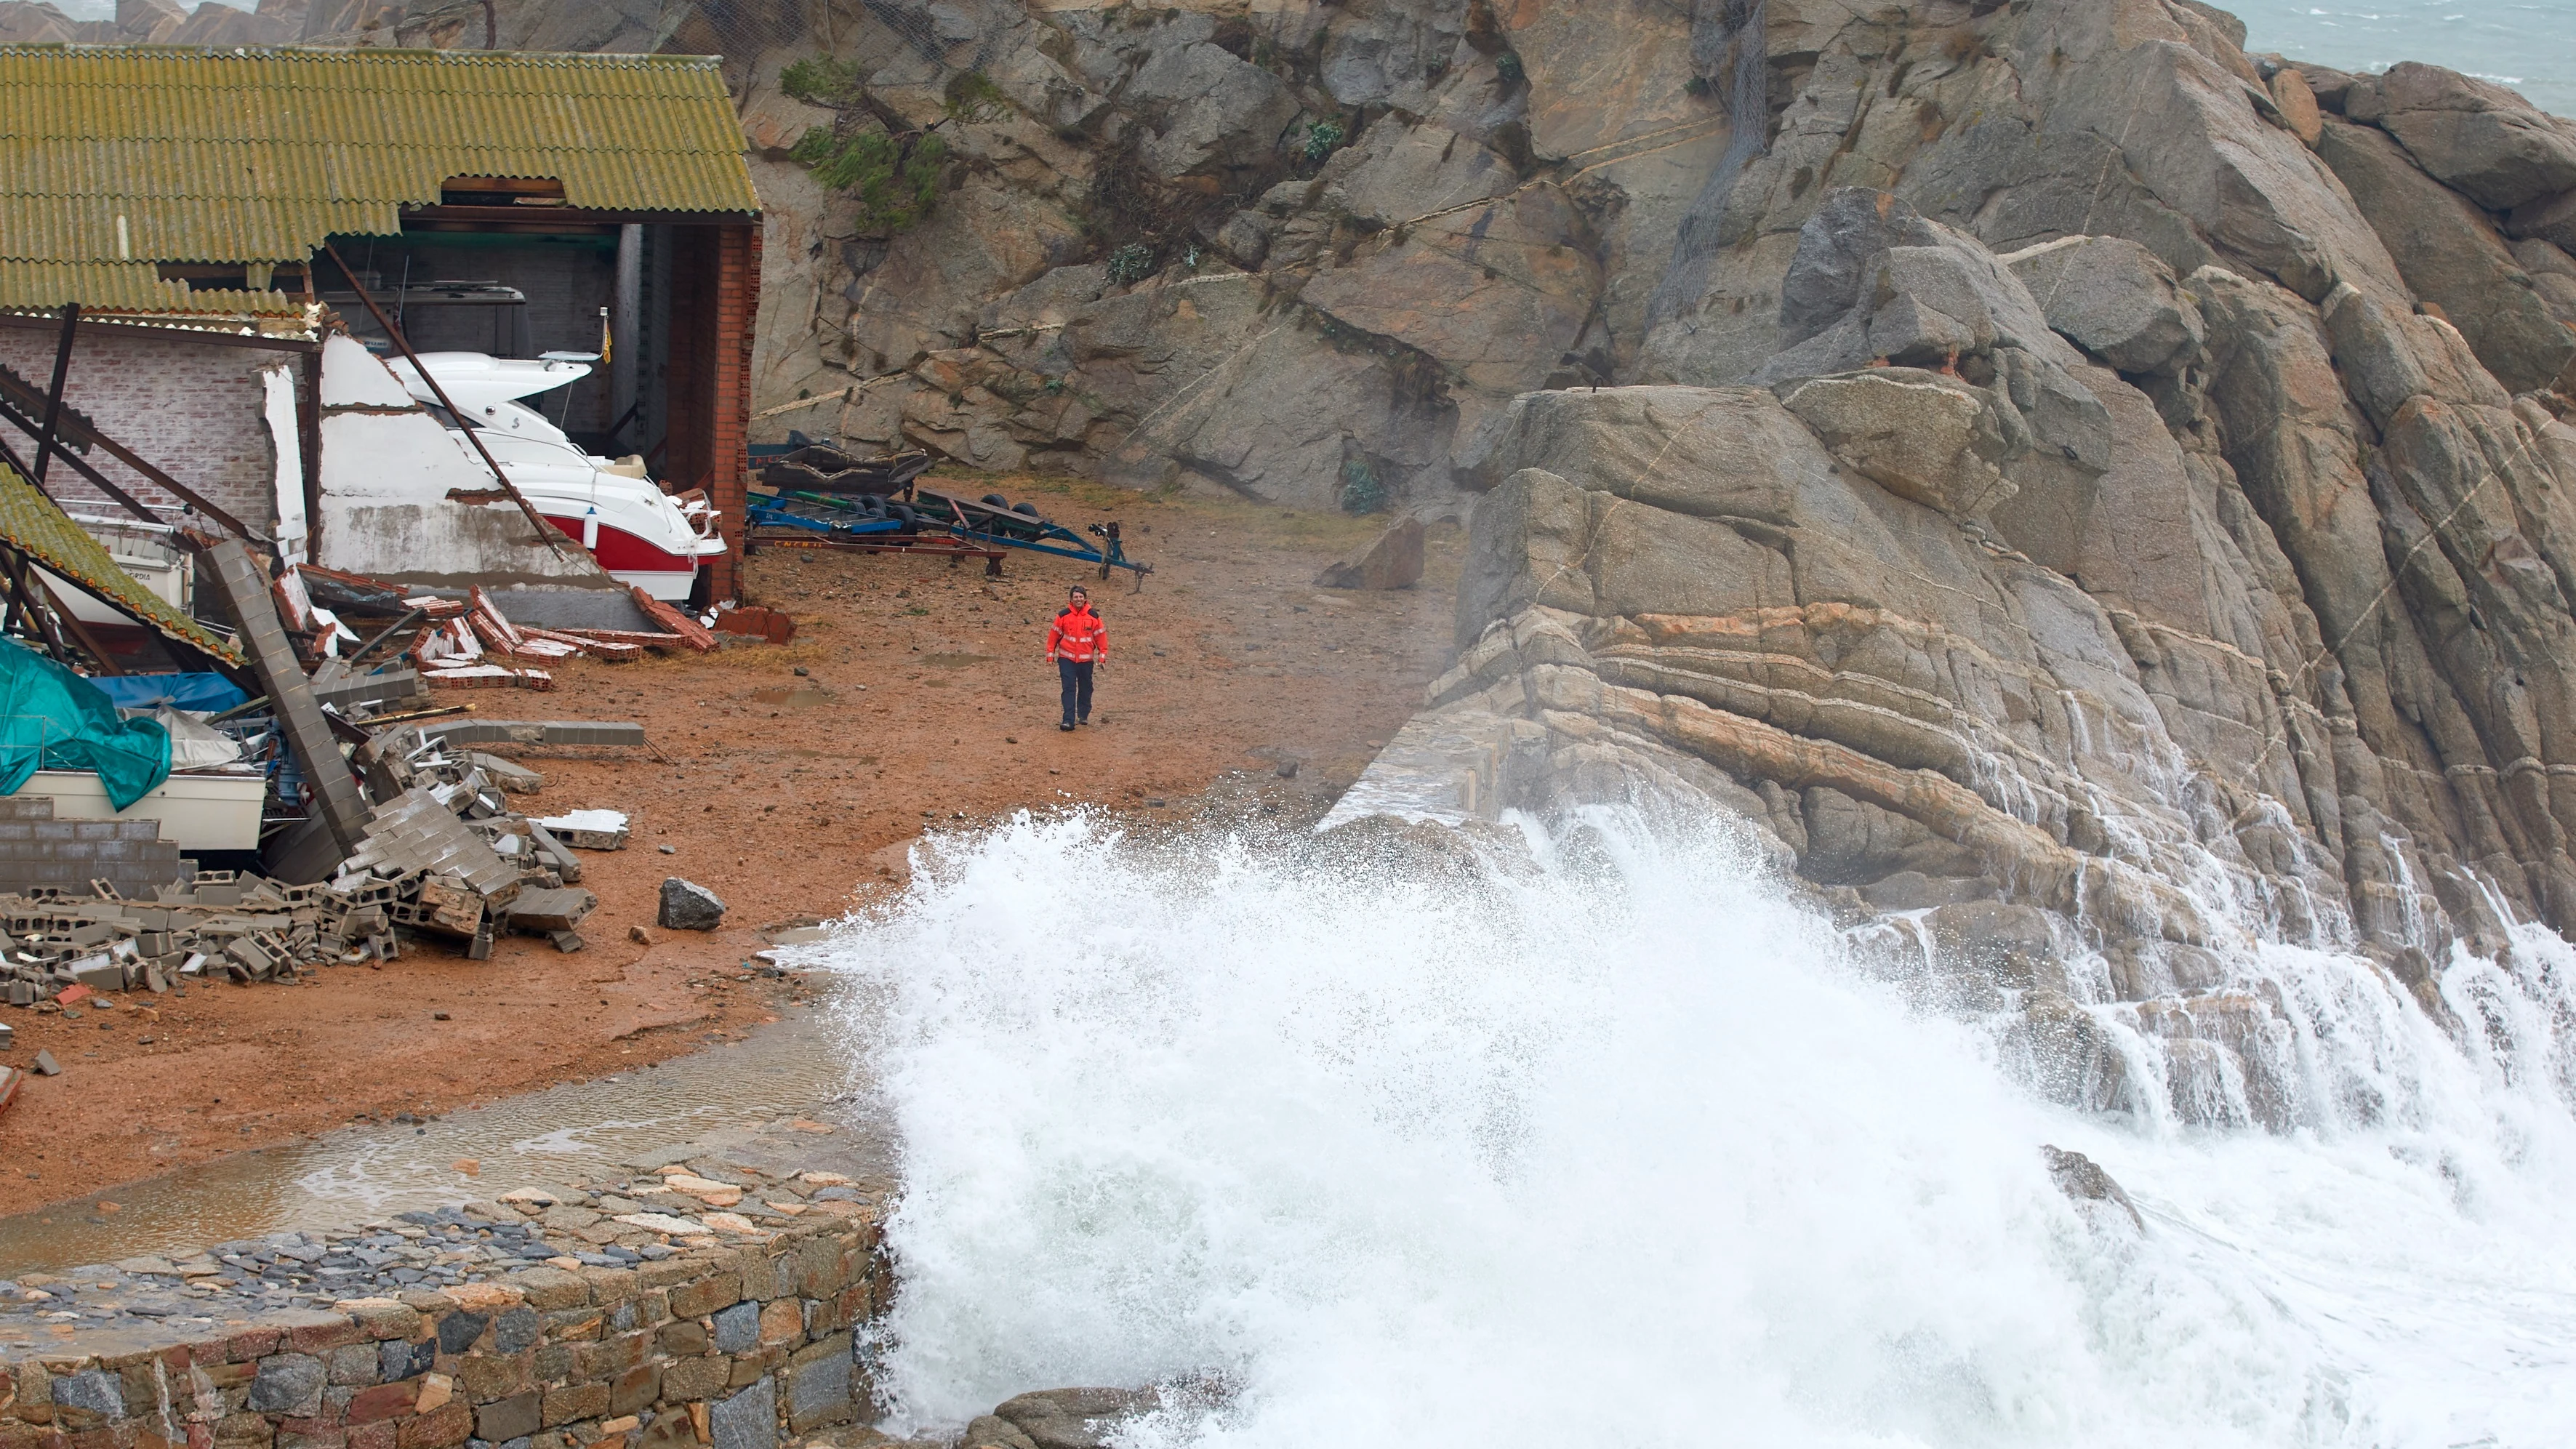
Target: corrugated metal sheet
[[30, 520], [128, 287], [257, 155]]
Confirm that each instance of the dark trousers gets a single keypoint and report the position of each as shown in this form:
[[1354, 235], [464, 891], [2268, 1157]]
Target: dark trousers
[[1077, 689]]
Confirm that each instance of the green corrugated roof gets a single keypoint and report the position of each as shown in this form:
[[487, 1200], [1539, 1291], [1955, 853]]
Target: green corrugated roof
[[257, 155], [32, 522], [127, 287]]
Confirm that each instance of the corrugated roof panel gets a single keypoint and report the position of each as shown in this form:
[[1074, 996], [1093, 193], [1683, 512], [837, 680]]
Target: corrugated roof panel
[[31, 521], [259, 155], [129, 287]]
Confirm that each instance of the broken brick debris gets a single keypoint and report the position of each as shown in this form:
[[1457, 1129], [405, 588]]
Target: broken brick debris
[[480, 647], [639, 638], [754, 622], [691, 632]]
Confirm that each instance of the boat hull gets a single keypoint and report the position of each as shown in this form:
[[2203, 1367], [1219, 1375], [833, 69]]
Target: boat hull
[[630, 559]]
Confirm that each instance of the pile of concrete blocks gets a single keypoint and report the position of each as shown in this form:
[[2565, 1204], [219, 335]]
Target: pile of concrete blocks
[[239, 926], [445, 822]]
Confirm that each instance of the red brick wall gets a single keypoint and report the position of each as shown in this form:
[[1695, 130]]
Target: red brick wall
[[192, 409], [737, 309]]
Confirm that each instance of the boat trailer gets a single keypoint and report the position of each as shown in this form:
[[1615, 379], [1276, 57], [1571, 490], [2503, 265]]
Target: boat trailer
[[923, 521]]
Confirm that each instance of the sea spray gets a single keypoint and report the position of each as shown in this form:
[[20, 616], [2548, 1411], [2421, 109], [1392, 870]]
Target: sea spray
[[1593, 1137]]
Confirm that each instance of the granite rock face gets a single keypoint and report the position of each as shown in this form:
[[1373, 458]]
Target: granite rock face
[[2102, 506]]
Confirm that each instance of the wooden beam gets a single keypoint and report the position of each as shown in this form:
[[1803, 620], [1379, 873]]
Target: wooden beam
[[54, 391]]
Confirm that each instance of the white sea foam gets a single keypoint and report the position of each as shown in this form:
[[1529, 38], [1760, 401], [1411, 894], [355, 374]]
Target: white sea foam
[[1605, 1144]]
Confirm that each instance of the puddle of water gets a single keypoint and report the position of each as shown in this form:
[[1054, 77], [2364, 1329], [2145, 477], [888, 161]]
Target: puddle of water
[[553, 1138], [803, 696]]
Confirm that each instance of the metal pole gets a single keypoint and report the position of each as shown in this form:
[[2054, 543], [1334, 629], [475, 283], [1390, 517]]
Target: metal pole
[[626, 360], [54, 394], [545, 531]]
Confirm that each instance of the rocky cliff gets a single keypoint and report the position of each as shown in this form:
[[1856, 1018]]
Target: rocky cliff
[[2089, 498], [2096, 500]]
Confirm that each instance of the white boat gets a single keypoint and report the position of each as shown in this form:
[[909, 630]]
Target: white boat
[[217, 809], [640, 534]]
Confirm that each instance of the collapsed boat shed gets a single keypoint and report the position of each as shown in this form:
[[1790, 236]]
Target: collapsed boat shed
[[225, 258]]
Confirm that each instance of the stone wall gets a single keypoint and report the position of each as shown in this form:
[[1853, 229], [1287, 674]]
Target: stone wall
[[732, 1344], [191, 408]]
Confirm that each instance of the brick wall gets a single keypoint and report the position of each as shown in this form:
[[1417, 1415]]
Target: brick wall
[[739, 1348], [737, 306], [192, 409]]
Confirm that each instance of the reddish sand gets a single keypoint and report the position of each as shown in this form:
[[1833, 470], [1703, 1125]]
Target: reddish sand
[[937, 704]]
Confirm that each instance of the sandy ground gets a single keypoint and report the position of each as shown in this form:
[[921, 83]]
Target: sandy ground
[[925, 698]]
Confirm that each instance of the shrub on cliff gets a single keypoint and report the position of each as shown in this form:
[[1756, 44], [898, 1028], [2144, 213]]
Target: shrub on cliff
[[894, 179]]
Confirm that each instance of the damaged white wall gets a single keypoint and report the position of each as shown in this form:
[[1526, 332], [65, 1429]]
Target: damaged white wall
[[387, 470], [277, 407]]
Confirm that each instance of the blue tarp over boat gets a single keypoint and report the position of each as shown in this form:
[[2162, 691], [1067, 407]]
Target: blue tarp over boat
[[53, 719]]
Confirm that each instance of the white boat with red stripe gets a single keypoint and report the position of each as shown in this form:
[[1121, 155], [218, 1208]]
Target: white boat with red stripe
[[640, 534]]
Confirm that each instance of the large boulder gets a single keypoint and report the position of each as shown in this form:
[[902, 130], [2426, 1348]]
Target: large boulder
[[2113, 298], [1393, 560], [1920, 435], [2473, 135], [2452, 257]]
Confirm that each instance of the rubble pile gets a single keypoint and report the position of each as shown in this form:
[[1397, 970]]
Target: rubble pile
[[444, 854], [445, 822], [479, 647], [238, 926]]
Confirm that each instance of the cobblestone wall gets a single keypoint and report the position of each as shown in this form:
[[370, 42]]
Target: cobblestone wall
[[732, 1346]]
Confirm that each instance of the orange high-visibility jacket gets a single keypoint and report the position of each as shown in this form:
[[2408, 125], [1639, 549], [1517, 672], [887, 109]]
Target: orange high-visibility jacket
[[1077, 634]]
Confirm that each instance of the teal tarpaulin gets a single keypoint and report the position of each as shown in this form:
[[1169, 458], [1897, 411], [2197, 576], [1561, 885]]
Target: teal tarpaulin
[[52, 719]]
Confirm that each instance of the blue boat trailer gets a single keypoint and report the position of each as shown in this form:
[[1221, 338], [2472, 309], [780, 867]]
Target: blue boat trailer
[[890, 526]]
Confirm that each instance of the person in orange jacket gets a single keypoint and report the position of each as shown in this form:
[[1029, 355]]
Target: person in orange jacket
[[1078, 643]]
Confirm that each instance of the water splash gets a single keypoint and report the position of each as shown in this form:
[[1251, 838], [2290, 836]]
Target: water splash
[[1592, 1137]]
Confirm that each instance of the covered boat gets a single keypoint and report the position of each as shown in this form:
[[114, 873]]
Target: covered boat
[[640, 534]]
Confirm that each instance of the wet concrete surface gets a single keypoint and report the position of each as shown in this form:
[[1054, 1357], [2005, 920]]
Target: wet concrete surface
[[794, 1072]]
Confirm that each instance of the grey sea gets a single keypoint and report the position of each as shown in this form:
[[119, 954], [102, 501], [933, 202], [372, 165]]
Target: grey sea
[[2529, 45]]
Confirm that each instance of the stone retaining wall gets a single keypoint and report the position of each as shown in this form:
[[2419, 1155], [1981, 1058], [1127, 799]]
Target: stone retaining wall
[[734, 1347]]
